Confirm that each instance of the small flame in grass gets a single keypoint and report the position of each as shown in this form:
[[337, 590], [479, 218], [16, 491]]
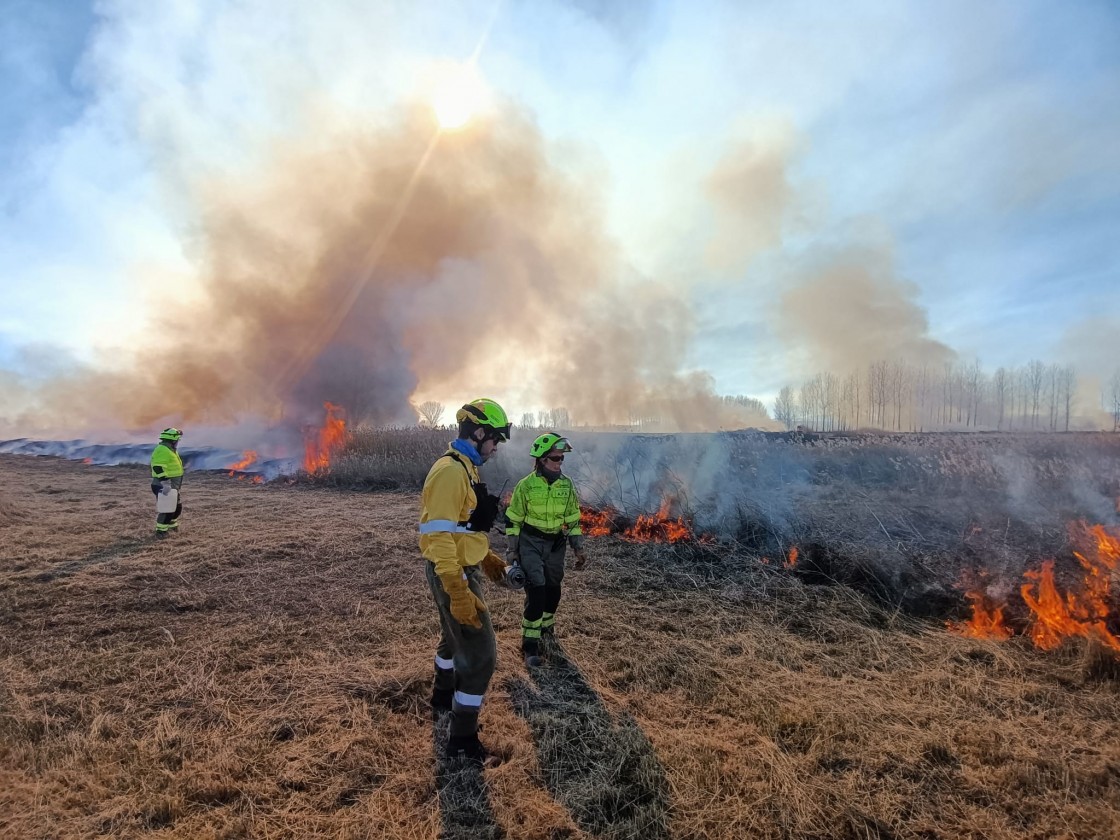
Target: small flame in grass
[[323, 443], [658, 528], [791, 558], [248, 458], [987, 619], [87, 460]]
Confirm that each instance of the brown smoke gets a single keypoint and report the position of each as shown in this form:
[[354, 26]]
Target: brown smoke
[[850, 309], [354, 273], [750, 191]]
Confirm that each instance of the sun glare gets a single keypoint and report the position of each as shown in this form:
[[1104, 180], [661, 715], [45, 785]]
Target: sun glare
[[457, 95]]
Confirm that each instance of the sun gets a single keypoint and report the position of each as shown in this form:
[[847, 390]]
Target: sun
[[457, 94]]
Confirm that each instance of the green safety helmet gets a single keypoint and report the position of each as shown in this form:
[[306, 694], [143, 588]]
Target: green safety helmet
[[171, 433], [488, 414], [549, 442]]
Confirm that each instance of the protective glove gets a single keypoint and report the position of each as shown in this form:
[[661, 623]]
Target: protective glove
[[513, 548], [493, 567], [157, 485], [465, 605], [576, 542]]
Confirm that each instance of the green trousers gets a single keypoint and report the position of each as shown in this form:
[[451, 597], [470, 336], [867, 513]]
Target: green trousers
[[465, 657]]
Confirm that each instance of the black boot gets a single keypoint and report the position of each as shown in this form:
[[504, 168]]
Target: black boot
[[466, 747], [441, 701], [532, 650]]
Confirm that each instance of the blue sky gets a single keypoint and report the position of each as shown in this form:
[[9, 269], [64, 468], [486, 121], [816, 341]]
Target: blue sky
[[730, 149]]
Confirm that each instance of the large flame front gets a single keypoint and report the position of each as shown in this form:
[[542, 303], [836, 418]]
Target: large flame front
[[323, 443], [1055, 616], [659, 527], [1077, 614]]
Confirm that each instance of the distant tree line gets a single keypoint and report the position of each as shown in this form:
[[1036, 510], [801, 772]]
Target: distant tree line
[[904, 397], [896, 396]]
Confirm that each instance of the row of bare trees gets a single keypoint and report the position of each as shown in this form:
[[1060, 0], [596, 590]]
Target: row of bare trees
[[431, 412], [903, 397]]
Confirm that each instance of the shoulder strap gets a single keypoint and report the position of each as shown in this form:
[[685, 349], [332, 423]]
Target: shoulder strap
[[453, 454]]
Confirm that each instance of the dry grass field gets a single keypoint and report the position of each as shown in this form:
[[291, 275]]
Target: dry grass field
[[265, 673]]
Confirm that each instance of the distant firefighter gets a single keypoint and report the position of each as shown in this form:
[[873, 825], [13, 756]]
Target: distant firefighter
[[456, 514], [543, 517], [167, 479]]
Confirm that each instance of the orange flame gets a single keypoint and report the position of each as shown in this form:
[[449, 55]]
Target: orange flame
[[1057, 618], [658, 528], [986, 621], [248, 457], [791, 560], [596, 523], [87, 460], [320, 445]]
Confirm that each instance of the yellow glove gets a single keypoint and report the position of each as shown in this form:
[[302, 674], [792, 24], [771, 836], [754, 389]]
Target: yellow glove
[[465, 605], [493, 567]]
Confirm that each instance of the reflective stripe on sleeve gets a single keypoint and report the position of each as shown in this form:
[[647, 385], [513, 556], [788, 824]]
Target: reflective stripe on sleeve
[[442, 526]]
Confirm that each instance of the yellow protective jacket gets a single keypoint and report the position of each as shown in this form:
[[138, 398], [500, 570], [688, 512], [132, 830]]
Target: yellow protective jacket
[[446, 503], [166, 463], [551, 508]]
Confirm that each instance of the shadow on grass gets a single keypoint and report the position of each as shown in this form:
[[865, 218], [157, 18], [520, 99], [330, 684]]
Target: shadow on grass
[[464, 796], [121, 548], [601, 767]]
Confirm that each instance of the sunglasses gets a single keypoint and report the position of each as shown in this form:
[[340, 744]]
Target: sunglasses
[[556, 459]]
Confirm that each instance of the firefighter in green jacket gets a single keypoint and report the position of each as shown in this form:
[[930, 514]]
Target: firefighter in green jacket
[[167, 478], [456, 514], [543, 519]]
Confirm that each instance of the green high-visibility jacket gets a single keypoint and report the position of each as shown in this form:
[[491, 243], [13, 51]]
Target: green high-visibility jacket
[[551, 508], [166, 463]]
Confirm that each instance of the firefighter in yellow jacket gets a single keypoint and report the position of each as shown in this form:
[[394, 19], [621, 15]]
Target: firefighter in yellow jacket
[[543, 519], [456, 513], [167, 479]]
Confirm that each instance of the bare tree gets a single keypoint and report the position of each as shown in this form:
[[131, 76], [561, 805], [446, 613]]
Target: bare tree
[[528, 420], [810, 402], [430, 413], [785, 407], [1115, 400], [1036, 374], [973, 392], [897, 379], [560, 418], [877, 386], [1000, 387], [1068, 383]]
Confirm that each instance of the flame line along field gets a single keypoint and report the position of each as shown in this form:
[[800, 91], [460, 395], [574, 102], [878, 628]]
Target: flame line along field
[[266, 674], [1085, 607]]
